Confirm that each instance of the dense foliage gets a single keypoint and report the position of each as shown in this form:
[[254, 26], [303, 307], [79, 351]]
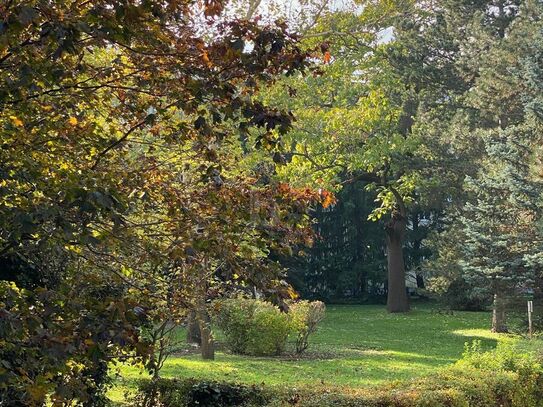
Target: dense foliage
[[305, 317], [158, 155], [253, 327], [180, 393], [123, 203], [420, 103]]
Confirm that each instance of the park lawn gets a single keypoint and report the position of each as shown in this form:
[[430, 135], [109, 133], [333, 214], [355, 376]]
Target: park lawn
[[356, 346]]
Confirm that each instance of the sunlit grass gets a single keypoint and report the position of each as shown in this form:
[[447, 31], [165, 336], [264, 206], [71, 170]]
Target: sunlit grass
[[357, 345]]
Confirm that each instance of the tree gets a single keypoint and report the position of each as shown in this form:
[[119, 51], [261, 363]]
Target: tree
[[355, 123], [347, 258], [498, 114], [116, 184], [498, 223]]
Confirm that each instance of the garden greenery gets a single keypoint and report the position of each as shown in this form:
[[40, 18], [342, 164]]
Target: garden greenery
[[256, 327]]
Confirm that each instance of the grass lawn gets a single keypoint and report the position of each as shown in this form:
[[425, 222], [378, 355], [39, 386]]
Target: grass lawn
[[357, 345]]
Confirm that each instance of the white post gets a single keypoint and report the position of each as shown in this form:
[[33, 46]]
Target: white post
[[530, 310]]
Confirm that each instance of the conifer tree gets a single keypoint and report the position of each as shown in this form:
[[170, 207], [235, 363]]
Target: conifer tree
[[498, 222]]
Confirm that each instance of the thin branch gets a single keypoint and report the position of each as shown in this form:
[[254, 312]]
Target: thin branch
[[118, 141]]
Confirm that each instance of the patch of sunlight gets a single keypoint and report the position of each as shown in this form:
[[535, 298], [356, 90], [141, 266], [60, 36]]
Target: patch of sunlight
[[199, 365], [391, 363], [486, 334], [411, 355], [477, 333], [370, 352]]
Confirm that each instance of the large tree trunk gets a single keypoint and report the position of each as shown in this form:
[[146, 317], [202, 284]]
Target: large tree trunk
[[498, 314], [397, 300]]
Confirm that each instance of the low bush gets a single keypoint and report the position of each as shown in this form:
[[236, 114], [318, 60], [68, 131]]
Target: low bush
[[190, 392], [305, 317], [268, 331], [505, 377], [253, 327], [233, 317]]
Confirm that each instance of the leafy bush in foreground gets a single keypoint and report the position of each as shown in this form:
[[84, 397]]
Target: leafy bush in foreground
[[191, 392]]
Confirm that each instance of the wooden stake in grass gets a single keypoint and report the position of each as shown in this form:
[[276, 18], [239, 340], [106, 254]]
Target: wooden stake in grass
[[530, 310]]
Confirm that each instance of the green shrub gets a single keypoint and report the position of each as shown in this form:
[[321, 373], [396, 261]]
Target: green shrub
[[305, 317], [527, 389], [233, 317], [268, 331], [190, 392], [253, 327]]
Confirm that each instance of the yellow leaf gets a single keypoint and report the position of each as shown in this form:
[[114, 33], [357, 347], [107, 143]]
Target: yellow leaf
[[72, 121], [16, 121]]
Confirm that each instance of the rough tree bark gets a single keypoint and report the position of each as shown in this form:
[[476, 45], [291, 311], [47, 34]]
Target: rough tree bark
[[207, 344], [498, 314], [397, 300]]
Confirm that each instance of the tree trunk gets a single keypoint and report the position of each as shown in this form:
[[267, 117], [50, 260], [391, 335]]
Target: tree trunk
[[207, 346], [498, 314], [397, 300], [420, 281], [193, 329]]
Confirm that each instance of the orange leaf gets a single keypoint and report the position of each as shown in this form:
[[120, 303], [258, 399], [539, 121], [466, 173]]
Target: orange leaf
[[16, 121], [205, 57], [327, 57], [327, 199]]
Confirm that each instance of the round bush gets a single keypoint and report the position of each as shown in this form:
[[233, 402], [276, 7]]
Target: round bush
[[253, 327]]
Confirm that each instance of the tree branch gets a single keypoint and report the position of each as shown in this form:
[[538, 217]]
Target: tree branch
[[399, 201]]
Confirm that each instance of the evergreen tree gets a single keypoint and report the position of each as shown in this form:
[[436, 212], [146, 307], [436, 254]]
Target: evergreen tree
[[498, 223], [347, 260]]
